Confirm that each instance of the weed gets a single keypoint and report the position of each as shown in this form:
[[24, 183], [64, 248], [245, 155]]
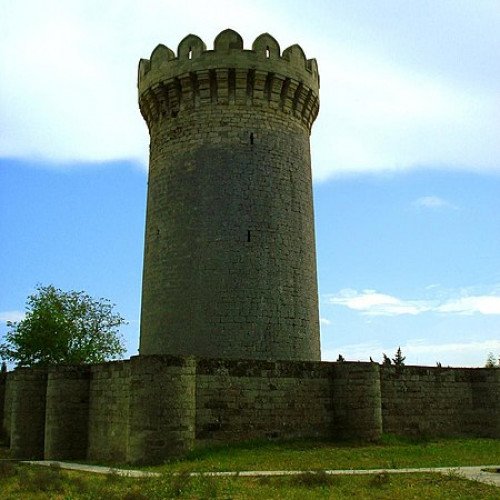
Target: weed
[[41, 479], [170, 485], [113, 476], [313, 479], [379, 480], [209, 486], [135, 493], [7, 469]]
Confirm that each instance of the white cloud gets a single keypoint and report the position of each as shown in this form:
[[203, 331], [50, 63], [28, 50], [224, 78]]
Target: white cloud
[[482, 304], [380, 109], [380, 117], [422, 347], [433, 202], [11, 316], [373, 303], [325, 321]]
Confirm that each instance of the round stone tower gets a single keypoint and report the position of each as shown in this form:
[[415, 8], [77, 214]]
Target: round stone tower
[[229, 263]]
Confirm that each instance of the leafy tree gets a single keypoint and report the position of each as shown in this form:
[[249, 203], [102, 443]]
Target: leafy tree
[[63, 328], [386, 359], [399, 359], [491, 361]]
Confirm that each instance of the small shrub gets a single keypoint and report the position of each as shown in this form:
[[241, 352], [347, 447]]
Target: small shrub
[[380, 480], [7, 469], [113, 476], [210, 487], [313, 479], [77, 483], [170, 486]]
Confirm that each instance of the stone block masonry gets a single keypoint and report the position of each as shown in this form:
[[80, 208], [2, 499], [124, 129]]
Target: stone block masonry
[[28, 392], [418, 400], [229, 261], [66, 410], [149, 408], [162, 408], [108, 416]]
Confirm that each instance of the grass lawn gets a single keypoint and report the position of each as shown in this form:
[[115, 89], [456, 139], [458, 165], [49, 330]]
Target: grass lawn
[[24, 482], [31, 483], [390, 453]]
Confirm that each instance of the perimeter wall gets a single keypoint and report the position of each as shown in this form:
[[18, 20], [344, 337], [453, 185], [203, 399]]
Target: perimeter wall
[[151, 407]]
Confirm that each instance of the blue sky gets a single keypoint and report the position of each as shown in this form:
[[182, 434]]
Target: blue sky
[[406, 160]]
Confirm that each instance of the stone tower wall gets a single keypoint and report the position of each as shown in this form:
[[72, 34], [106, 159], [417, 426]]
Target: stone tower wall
[[230, 266]]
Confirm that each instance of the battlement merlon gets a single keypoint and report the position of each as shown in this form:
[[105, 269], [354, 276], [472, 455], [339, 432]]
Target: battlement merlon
[[228, 74]]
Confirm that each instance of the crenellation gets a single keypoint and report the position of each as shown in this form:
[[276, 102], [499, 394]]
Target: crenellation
[[228, 41], [228, 54], [266, 46], [191, 47], [160, 56]]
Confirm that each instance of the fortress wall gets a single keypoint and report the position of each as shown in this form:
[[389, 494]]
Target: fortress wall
[[108, 428], [484, 418], [67, 412], [162, 407], [441, 401], [152, 407], [356, 400], [27, 426], [3, 388], [5, 417], [244, 399]]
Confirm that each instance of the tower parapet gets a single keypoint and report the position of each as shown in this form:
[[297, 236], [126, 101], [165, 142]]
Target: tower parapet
[[228, 74], [229, 261]]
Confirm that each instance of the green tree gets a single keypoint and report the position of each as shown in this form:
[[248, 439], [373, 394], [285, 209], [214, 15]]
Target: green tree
[[63, 328], [399, 359], [386, 359], [491, 361]]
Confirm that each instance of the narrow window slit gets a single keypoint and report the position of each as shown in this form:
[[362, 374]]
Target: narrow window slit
[[248, 236], [250, 85], [268, 53], [231, 81], [213, 84], [190, 53], [251, 142]]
